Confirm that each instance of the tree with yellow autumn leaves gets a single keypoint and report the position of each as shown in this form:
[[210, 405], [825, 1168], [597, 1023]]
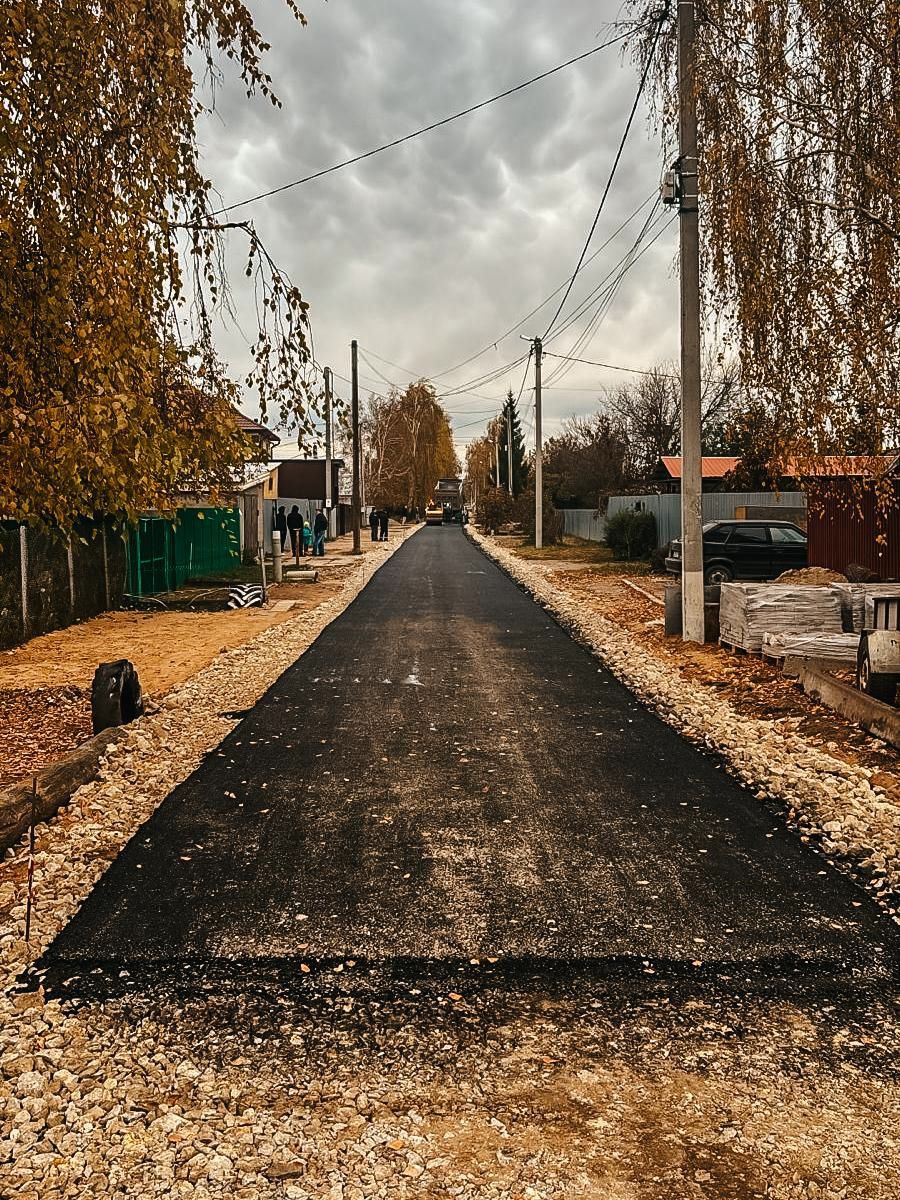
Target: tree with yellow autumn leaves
[[409, 446], [798, 108], [111, 260]]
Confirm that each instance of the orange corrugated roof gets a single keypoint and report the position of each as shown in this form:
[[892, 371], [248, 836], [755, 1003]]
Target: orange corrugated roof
[[712, 468]]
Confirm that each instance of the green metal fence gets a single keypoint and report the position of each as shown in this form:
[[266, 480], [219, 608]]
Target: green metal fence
[[164, 554]]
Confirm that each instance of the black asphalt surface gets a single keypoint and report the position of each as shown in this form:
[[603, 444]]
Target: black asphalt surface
[[446, 775]]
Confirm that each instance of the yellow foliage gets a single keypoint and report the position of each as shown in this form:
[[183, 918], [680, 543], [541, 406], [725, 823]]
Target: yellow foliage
[[111, 398]]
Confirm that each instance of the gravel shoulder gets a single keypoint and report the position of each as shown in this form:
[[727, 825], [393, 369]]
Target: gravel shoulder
[[337, 1092], [45, 684], [838, 788]]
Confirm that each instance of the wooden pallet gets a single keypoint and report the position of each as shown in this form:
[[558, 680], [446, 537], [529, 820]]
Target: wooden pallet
[[733, 647]]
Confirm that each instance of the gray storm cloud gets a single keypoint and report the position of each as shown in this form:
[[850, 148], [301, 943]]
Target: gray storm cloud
[[430, 251]]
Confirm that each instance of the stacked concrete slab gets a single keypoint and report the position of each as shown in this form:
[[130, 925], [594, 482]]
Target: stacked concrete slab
[[748, 611], [840, 649]]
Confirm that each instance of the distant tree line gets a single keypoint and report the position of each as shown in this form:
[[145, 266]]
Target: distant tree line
[[409, 446], [618, 447]]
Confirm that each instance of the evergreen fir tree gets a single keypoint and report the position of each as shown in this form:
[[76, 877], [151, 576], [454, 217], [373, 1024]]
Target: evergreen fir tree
[[510, 416]]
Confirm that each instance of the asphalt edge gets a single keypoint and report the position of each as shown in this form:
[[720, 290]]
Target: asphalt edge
[[16, 955], [780, 803]]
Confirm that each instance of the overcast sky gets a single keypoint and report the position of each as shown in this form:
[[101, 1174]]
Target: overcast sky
[[429, 252]]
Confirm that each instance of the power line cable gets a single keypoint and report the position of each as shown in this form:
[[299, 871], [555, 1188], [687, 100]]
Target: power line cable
[[463, 388], [547, 299], [597, 293], [628, 124], [605, 300], [349, 162]]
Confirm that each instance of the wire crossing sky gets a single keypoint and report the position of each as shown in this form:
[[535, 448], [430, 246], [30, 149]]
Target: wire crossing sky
[[440, 252]]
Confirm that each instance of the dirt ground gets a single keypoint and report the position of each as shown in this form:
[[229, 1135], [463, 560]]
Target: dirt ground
[[754, 687], [45, 684]]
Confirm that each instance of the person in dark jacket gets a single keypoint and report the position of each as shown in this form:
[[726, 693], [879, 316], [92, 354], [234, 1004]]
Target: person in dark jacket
[[320, 528], [374, 523], [383, 524], [295, 529], [281, 526]]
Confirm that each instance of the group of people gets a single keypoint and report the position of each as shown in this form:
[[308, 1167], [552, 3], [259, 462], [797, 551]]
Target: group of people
[[378, 523], [297, 533]]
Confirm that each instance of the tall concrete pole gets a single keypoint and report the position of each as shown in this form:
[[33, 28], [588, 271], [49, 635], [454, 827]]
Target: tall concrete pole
[[357, 450], [329, 490], [689, 225], [497, 460], [538, 450]]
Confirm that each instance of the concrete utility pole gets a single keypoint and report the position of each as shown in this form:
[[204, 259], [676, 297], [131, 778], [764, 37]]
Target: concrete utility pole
[[538, 450], [509, 456], [357, 453], [689, 225], [497, 460], [329, 491]]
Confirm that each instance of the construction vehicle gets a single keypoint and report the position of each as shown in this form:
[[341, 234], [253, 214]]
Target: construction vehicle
[[448, 496]]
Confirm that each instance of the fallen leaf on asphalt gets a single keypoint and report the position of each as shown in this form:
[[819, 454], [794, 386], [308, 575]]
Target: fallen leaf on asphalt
[[304, 967]]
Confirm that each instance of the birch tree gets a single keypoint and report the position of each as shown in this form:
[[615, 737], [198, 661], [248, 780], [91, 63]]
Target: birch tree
[[799, 111], [111, 259]]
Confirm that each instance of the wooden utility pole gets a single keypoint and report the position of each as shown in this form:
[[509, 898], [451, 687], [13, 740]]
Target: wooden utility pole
[[357, 450], [497, 459], [329, 490], [509, 453], [689, 253], [538, 450]]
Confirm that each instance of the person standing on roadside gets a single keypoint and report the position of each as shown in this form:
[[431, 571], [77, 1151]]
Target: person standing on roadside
[[374, 523], [383, 524], [320, 528], [295, 529]]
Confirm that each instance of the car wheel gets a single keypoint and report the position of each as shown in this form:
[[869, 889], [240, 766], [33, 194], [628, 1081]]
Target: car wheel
[[876, 684], [719, 573]]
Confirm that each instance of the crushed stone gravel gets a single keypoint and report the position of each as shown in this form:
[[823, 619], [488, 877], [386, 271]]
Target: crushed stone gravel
[[832, 803], [321, 1095]]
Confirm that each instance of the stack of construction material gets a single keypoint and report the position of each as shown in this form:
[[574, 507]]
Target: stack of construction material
[[837, 648], [748, 610], [853, 600]]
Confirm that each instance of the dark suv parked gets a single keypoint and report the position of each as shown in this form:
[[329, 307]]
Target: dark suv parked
[[746, 550]]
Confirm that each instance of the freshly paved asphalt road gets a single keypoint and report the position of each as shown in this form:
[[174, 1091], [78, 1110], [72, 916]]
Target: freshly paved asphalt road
[[445, 776]]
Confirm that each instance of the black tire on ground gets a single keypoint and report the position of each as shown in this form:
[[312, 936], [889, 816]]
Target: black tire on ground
[[718, 573], [116, 697], [879, 686]]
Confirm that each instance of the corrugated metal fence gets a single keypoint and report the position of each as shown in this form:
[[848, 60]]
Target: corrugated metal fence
[[848, 525], [164, 554], [717, 506], [585, 523]]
